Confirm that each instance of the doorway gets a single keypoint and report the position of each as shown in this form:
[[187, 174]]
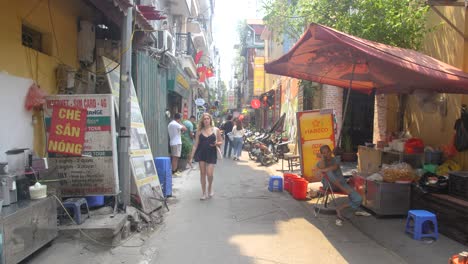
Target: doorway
[[359, 121]]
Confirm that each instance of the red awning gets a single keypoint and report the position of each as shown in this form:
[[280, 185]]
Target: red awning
[[327, 56], [107, 7]]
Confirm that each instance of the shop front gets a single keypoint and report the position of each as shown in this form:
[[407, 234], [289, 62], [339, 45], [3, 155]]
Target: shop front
[[178, 87], [404, 169]]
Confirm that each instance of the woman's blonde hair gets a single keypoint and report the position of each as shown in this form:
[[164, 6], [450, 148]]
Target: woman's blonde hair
[[201, 125]]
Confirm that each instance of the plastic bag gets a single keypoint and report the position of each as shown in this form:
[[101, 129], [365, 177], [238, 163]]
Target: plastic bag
[[375, 177], [230, 136], [449, 165], [461, 136], [449, 150], [398, 172], [461, 133], [35, 97]]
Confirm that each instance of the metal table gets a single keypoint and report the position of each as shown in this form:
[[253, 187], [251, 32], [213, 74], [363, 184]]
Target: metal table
[[27, 226]]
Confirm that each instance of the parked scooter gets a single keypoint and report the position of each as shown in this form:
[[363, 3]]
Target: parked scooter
[[275, 150], [257, 145]]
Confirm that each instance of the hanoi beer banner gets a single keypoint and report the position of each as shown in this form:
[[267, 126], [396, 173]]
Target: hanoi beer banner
[[68, 126], [316, 128]]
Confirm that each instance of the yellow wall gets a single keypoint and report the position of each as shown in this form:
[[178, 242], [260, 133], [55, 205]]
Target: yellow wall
[[64, 16], [446, 43], [24, 62]]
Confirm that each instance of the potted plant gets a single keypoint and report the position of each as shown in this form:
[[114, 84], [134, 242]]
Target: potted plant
[[348, 153], [185, 152]]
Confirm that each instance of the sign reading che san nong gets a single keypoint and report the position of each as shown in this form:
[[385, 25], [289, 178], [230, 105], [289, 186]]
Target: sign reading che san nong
[[67, 130]]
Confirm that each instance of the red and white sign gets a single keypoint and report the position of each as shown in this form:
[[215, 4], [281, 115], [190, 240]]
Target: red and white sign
[[67, 130]]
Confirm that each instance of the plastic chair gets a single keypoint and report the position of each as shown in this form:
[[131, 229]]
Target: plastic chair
[[324, 192], [74, 205], [275, 183], [420, 218]]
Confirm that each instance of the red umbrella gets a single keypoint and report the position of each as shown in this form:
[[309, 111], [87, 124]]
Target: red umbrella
[[327, 56]]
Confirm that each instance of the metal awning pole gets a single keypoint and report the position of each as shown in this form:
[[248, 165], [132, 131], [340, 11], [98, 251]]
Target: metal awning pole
[[346, 103], [125, 109]]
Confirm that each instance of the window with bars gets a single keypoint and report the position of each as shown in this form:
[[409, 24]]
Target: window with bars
[[31, 38]]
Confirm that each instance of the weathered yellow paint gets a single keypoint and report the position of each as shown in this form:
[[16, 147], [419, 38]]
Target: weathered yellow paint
[[25, 62], [448, 44]]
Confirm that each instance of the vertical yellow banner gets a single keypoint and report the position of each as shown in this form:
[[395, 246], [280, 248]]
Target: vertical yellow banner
[[316, 128], [259, 76]]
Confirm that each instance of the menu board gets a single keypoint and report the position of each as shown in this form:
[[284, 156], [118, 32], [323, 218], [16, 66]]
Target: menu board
[[145, 179], [315, 129], [95, 171]]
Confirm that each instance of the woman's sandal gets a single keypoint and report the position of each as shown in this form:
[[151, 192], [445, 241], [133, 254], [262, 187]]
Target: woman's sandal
[[362, 213], [339, 222], [203, 197], [211, 194]]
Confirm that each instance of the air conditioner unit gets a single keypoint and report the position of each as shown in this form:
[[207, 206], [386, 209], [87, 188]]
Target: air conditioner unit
[[166, 41], [86, 42]]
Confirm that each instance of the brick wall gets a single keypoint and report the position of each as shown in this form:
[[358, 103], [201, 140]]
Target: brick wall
[[332, 98], [380, 118]]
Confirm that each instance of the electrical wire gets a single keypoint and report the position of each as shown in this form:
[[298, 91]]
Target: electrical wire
[[32, 9], [99, 73], [53, 28], [94, 239]]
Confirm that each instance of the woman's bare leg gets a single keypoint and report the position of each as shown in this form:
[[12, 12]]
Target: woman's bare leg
[[203, 166], [209, 174]]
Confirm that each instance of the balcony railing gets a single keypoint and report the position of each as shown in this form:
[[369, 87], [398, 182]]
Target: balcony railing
[[185, 45]]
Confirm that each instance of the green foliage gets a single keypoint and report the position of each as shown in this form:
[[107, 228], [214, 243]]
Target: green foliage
[[399, 23], [186, 147]]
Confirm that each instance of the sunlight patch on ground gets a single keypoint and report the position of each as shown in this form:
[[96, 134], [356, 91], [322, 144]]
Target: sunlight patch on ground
[[296, 241]]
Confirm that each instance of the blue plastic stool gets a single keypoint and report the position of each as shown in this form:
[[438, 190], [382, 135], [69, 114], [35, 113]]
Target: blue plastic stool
[[275, 183], [420, 219], [74, 205]]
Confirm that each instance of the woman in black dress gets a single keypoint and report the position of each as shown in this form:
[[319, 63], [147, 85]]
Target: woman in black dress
[[207, 140]]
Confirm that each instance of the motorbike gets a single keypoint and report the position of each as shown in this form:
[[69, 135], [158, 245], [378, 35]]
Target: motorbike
[[273, 149], [257, 145]]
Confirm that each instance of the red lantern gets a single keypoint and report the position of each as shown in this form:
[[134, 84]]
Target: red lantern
[[255, 103]]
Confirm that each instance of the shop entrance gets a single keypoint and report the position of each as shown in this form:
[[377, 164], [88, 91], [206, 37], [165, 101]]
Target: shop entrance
[[359, 121], [174, 103]]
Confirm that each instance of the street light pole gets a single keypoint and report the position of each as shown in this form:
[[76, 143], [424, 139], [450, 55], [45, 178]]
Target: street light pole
[[125, 109]]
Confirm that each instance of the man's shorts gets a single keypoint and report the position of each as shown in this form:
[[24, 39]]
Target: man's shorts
[[176, 150]]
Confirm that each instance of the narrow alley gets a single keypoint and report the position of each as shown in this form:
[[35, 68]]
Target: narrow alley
[[242, 223]]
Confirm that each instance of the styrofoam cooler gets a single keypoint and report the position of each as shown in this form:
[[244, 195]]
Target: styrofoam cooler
[[163, 167]]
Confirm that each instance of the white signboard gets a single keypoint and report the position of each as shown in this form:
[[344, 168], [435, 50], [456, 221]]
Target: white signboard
[[199, 101], [145, 178], [95, 173]]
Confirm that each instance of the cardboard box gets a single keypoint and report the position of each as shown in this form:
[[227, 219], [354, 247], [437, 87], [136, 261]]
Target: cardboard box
[[369, 160]]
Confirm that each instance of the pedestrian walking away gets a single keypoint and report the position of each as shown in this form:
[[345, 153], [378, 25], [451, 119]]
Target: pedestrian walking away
[[238, 138], [175, 129], [207, 141], [226, 128]]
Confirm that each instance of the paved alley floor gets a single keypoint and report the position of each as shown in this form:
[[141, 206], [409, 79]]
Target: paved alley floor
[[243, 223]]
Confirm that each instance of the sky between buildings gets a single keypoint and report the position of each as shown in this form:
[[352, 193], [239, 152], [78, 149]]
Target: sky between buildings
[[228, 14]]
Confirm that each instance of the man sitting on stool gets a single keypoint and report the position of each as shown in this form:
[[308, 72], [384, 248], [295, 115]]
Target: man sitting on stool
[[331, 166]]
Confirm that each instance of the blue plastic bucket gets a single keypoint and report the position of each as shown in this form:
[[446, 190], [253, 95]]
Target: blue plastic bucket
[[94, 201]]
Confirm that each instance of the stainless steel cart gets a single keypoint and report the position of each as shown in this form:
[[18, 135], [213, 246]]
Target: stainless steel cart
[[27, 226]]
